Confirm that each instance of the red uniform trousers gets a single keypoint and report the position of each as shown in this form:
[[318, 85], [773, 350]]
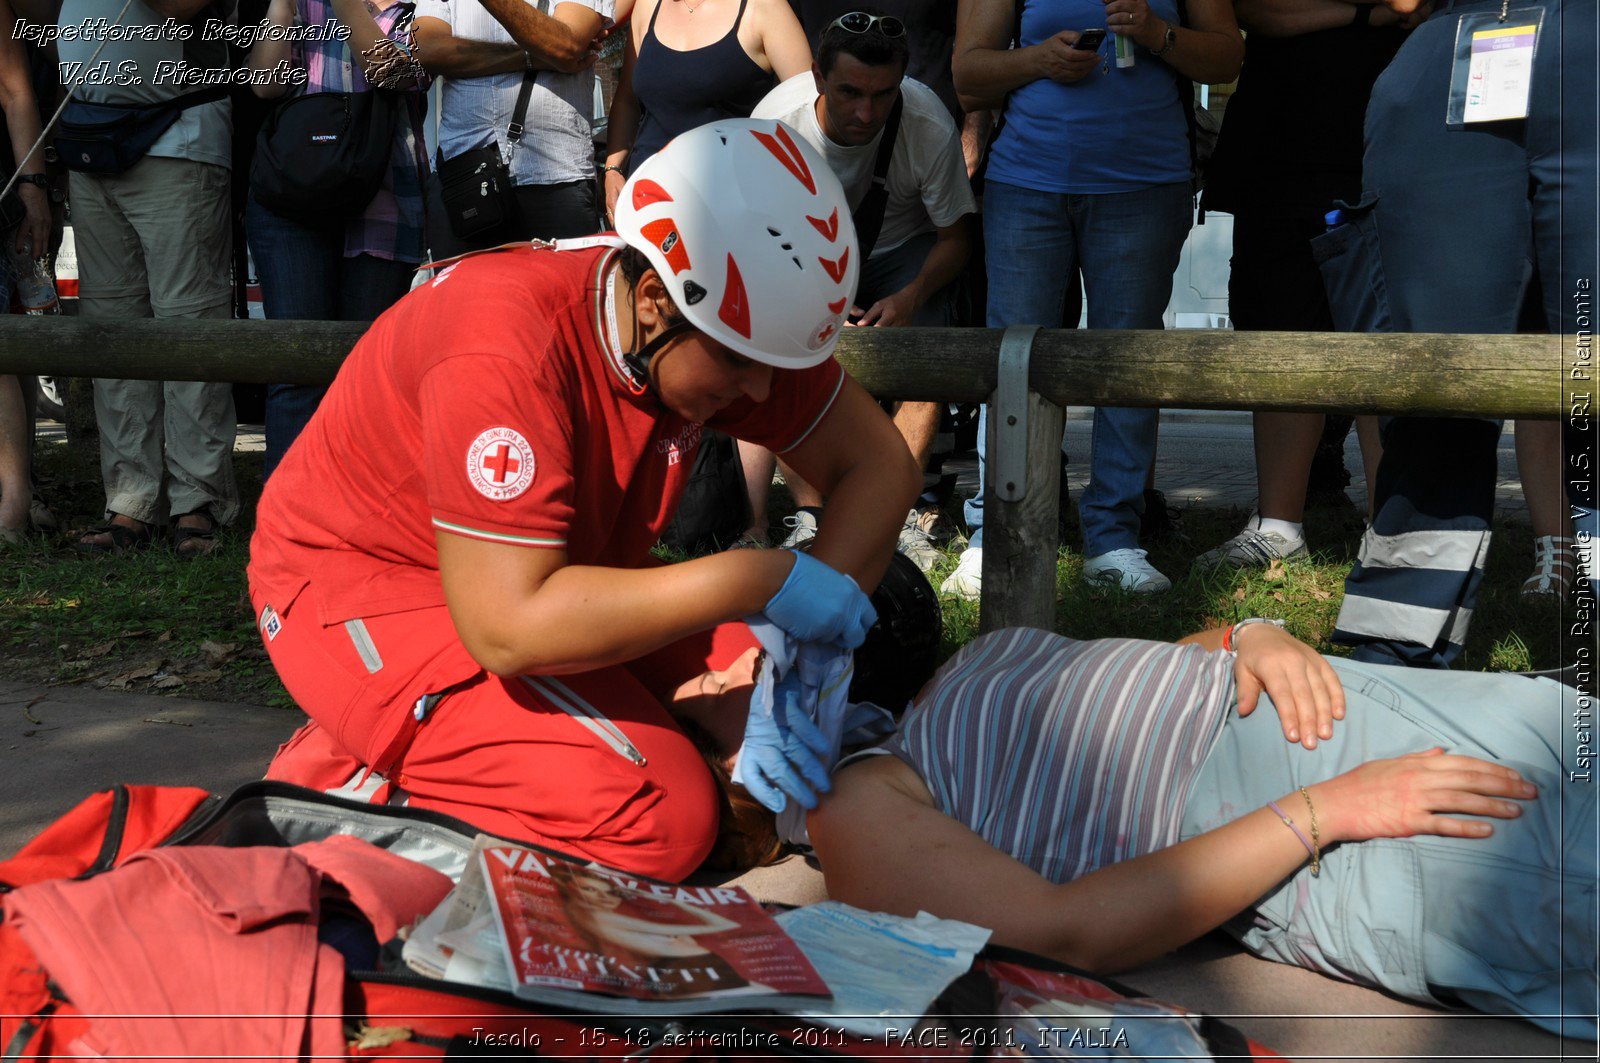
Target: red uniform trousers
[[589, 764]]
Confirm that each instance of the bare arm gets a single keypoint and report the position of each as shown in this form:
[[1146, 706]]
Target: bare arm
[[784, 48], [525, 611], [22, 123], [986, 67], [860, 463], [975, 130], [1303, 687], [948, 255], [1209, 50], [877, 834], [441, 52], [622, 124], [563, 40]]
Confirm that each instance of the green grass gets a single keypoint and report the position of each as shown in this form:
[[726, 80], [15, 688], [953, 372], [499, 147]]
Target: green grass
[[1508, 632], [144, 621], [150, 622]]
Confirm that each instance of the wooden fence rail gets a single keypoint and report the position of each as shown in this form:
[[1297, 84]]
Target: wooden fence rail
[[1493, 376]]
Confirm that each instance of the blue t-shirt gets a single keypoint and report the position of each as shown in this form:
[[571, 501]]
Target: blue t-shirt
[[1115, 131]]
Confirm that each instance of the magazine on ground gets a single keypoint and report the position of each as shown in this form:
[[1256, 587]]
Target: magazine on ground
[[559, 931]]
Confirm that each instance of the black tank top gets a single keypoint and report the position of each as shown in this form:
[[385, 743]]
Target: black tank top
[[678, 91]]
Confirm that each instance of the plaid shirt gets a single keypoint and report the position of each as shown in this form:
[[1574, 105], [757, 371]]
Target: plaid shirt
[[391, 226]]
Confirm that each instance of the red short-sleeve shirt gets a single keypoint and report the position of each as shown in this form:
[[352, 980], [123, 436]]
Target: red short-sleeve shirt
[[492, 402]]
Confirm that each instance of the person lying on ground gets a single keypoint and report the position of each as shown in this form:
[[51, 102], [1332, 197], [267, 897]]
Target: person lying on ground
[[1105, 802]]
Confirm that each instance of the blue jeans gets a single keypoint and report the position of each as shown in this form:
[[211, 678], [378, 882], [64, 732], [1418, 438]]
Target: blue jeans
[[305, 276], [890, 271], [1127, 245], [1440, 260], [1504, 923]]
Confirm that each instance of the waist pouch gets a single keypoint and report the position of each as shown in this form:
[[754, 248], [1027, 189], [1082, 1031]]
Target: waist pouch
[[321, 157], [477, 192], [109, 138]]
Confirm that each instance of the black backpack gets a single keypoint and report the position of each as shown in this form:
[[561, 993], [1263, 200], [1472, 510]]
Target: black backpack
[[321, 157]]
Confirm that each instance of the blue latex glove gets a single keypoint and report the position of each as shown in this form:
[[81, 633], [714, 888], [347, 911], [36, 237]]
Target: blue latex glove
[[818, 603], [784, 754]]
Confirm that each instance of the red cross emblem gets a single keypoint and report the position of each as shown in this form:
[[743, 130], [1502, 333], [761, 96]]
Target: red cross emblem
[[500, 464]]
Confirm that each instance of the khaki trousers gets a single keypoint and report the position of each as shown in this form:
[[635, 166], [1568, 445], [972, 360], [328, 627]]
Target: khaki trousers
[[156, 242]]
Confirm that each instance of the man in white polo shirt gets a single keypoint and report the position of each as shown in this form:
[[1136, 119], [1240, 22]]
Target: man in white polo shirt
[[910, 198], [483, 53]]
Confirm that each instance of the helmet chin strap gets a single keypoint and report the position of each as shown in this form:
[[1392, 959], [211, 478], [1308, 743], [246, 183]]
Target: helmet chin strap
[[638, 362]]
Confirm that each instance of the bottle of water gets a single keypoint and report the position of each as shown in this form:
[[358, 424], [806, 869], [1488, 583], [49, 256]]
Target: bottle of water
[[36, 281]]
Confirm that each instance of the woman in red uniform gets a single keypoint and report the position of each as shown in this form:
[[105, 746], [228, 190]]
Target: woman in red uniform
[[451, 567]]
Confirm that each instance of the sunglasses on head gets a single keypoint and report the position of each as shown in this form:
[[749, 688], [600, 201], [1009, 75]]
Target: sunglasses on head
[[861, 22]]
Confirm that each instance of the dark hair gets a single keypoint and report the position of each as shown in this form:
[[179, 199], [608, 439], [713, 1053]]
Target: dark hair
[[633, 263], [871, 48]]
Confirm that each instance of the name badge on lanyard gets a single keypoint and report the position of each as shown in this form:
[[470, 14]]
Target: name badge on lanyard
[[1491, 79]]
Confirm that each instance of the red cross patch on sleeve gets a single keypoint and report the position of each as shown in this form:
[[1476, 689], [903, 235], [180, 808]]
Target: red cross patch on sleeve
[[500, 464]]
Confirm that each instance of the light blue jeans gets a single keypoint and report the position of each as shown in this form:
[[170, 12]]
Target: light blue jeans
[[1127, 245], [1504, 924]]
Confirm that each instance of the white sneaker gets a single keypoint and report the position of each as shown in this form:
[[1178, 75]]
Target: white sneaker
[[967, 580], [1252, 548], [802, 526], [917, 544], [1128, 569]]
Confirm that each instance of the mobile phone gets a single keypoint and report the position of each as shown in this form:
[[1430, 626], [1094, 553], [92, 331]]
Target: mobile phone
[[1090, 40]]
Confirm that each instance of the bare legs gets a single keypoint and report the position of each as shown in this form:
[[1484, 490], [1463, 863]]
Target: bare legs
[[16, 486], [1539, 465]]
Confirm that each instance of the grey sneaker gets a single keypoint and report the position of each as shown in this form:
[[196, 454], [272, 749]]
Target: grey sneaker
[[1252, 548], [1128, 569], [967, 580], [917, 544], [802, 526]]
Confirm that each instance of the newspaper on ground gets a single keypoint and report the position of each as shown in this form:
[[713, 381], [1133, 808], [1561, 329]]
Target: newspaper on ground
[[882, 968]]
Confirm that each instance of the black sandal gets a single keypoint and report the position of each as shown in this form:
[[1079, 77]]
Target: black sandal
[[204, 540], [123, 538]]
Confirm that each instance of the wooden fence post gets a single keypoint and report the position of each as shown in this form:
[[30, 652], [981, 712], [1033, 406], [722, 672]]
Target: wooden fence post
[[1019, 518]]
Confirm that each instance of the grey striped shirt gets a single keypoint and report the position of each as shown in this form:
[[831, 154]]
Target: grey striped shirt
[[1068, 755]]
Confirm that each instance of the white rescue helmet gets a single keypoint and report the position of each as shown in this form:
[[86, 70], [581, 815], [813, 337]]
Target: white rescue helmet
[[752, 235]]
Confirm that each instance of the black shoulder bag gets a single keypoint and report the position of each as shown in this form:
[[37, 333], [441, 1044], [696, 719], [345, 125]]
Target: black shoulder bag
[[321, 157], [476, 185], [109, 138], [869, 215], [1203, 126]]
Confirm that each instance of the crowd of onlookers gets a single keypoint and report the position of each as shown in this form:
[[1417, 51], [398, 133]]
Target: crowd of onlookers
[[1010, 162]]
